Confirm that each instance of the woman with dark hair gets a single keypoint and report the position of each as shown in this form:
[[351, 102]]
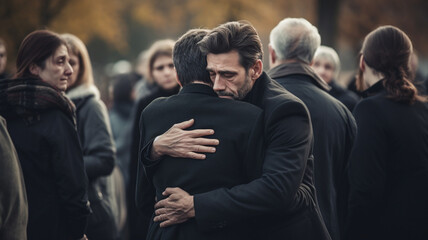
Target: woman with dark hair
[[93, 128], [42, 125], [389, 162]]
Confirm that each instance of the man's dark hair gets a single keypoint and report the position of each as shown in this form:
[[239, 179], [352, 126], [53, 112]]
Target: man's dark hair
[[240, 36], [190, 63]]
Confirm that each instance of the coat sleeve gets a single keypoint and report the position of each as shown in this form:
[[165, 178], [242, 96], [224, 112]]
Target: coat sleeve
[[367, 172], [13, 203], [98, 147], [288, 135], [69, 173]]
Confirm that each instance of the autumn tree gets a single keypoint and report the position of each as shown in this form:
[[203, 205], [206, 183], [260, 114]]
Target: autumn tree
[[86, 19]]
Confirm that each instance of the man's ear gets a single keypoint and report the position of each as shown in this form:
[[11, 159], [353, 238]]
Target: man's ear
[[272, 55], [256, 70], [34, 69]]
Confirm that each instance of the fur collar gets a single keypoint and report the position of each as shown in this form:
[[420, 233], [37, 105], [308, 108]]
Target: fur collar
[[83, 91]]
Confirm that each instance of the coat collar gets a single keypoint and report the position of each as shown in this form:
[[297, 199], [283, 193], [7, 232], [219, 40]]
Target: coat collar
[[374, 89], [292, 68], [83, 91], [198, 88]]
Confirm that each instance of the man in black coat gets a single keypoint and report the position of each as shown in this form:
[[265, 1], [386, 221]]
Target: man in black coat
[[281, 202], [237, 159], [293, 43]]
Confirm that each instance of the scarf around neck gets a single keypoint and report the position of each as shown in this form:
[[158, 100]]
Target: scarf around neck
[[27, 97]]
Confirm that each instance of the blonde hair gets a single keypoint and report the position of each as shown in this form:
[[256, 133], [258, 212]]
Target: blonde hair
[[78, 48], [159, 48]]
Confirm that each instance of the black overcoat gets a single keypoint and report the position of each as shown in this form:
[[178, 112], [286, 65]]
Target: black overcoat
[[389, 169], [52, 164], [237, 159], [282, 201], [334, 132]]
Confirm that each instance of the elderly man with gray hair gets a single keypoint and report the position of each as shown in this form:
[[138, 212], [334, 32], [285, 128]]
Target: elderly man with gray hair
[[293, 43]]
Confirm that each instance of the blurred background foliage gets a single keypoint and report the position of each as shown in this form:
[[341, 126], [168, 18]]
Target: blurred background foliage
[[121, 29]]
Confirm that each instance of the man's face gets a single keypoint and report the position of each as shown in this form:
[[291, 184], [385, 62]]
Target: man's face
[[229, 77], [3, 59], [57, 69]]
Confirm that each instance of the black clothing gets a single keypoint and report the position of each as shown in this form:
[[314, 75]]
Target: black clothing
[[51, 159], [389, 169], [282, 201], [133, 219], [98, 150], [237, 160], [347, 97], [334, 130]]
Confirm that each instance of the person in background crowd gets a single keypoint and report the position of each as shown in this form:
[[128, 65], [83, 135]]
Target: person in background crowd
[[95, 136], [416, 74], [389, 162], [42, 125], [293, 43], [3, 60], [121, 124], [143, 87], [326, 64], [160, 72], [121, 118], [13, 198]]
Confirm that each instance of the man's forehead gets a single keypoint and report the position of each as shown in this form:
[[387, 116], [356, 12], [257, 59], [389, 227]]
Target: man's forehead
[[224, 61]]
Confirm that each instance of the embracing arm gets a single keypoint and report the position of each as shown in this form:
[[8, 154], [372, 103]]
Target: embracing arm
[[176, 142], [288, 140]]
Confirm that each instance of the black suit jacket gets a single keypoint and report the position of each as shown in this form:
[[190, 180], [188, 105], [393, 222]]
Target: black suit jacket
[[237, 160], [389, 169], [282, 201]]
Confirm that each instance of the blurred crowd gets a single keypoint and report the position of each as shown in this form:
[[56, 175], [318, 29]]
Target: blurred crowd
[[69, 161]]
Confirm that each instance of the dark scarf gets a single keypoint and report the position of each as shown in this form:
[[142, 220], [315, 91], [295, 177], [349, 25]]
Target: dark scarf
[[28, 97], [292, 68]]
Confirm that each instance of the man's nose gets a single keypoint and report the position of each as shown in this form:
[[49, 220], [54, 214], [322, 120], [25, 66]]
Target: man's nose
[[219, 84]]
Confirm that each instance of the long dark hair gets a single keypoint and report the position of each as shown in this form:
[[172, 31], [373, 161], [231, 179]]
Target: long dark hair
[[387, 50], [35, 49]]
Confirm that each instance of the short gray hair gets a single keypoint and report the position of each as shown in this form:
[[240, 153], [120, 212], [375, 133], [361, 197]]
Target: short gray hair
[[329, 54], [295, 38]]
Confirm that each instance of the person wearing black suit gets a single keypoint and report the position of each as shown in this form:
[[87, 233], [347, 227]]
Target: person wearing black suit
[[293, 43], [281, 202], [237, 159], [389, 162]]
